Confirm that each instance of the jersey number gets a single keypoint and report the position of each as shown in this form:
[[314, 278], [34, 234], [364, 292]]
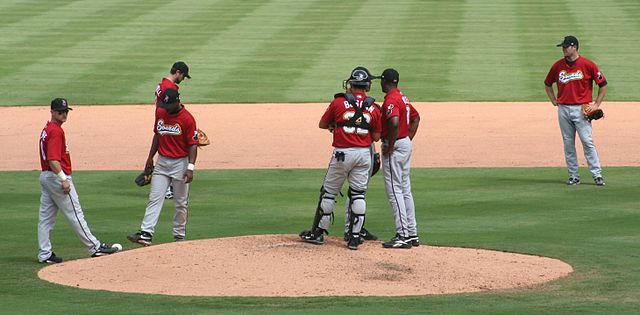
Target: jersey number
[[348, 115]]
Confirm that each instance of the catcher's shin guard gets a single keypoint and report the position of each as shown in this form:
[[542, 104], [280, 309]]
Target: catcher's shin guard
[[357, 208], [324, 211]]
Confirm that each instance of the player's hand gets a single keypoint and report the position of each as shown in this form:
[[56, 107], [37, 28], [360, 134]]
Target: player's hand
[[188, 176], [66, 187], [591, 107], [386, 148], [148, 164]]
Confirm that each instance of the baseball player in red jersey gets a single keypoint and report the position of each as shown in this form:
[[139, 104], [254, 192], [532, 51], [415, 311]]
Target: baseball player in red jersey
[[400, 122], [356, 123], [178, 72], [58, 193], [175, 140], [574, 75]]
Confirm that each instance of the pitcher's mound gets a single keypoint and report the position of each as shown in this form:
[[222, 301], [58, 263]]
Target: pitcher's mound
[[282, 265]]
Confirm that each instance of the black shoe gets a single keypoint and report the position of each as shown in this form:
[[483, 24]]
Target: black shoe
[[53, 259], [314, 237], [573, 181], [367, 236], [177, 238], [354, 242], [414, 240], [142, 238], [105, 249], [599, 181], [397, 242]]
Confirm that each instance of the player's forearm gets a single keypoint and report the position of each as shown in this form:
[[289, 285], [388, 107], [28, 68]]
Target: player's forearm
[[602, 91], [551, 95], [413, 128], [193, 154], [55, 166], [154, 147]]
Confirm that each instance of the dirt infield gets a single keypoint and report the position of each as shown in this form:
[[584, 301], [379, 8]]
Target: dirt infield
[[282, 265], [286, 136]]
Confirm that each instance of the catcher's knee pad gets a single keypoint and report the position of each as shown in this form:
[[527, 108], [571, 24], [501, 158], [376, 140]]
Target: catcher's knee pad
[[357, 202], [327, 202]]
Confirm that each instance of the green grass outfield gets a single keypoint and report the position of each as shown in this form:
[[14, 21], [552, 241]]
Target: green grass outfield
[[525, 210], [115, 52]]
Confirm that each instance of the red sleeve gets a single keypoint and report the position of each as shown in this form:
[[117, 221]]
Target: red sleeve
[[390, 109], [328, 116], [597, 75], [55, 145], [413, 114], [191, 132], [551, 76]]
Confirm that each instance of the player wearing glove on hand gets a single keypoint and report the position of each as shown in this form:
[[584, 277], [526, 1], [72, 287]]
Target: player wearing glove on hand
[[176, 140], [574, 76]]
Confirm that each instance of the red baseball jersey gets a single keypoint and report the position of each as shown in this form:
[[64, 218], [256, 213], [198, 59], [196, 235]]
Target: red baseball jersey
[[53, 147], [176, 133], [163, 86], [341, 111], [575, 82], [396, 104]]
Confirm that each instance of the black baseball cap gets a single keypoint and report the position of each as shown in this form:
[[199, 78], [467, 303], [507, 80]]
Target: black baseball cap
[[390, 75], [171, 96], [569, 41], [60, 104], [180, 65]]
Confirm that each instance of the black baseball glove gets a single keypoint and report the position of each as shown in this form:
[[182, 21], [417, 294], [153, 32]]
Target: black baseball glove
[[145, 177], [376, 163], [592, 115]]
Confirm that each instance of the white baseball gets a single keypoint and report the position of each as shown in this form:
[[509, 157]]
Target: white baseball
[[117, 246]]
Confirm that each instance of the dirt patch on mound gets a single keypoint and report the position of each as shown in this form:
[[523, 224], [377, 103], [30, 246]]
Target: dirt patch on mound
[[282, 265]]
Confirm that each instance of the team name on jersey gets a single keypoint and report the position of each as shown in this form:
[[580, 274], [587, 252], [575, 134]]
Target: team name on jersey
[[168, 129], [565, 76]]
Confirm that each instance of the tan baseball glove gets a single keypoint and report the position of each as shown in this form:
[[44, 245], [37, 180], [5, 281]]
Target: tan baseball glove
[[203, 140], [593, 115]]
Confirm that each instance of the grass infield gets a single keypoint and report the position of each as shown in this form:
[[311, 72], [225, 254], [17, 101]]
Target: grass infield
[[525, 210], [115, 52]]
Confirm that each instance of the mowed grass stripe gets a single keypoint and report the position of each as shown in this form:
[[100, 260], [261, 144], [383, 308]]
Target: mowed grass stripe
[[227, 64], [486, 53], [14, 11], [60, 72], [538, 36], [605, 31], [157, 48], [419, 48], [278, 62]]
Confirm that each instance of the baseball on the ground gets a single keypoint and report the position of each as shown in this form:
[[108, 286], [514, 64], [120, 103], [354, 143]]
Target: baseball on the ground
[[117, 246]]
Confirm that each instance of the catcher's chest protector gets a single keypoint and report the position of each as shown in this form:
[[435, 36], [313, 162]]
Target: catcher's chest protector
[[358, 120]]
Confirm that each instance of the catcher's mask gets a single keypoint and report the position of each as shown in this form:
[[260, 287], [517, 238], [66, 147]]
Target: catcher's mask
[[360, 77]]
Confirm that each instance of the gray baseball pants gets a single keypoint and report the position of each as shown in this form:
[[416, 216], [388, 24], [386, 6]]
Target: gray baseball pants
[[52, 200], [572, 119], [396, 168], [168, 171]]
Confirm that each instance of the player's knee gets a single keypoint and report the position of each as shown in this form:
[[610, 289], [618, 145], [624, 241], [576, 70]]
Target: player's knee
[[359, 206], [327, 203]]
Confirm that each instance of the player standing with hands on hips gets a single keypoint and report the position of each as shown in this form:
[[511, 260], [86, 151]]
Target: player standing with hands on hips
[[399, 125], [175, 139], [574, 75], [58, 193], [356, 122], [178, 72]]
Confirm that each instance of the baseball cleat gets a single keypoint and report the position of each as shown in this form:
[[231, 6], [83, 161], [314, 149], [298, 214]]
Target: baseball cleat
[[354, 242], [142, 238], [414, 240], [105, 249], [599, 181], [53, 259], [397, 242], [367, 236], [177, 238], [313, 238], [573, 181]]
